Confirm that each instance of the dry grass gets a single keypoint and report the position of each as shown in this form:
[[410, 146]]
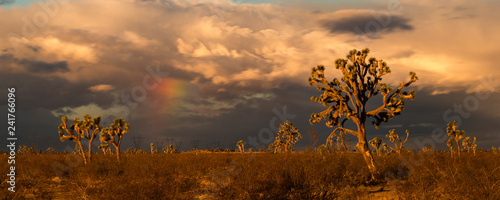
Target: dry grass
[[258, 176]]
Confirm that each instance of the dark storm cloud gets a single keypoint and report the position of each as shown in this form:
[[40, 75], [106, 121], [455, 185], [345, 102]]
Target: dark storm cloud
[[5, 2], [240, 62], [38, 92], [362, 23], [44, 67]]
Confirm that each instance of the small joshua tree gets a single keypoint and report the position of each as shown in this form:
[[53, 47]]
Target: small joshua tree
[[376, 142], [469, 144], [169, 149], [398, 143], [427, 148], [457, 135], [241, 146], [104, 148], [118, 128], [25, 150], [50, 150], [287, 136], [152, 148]]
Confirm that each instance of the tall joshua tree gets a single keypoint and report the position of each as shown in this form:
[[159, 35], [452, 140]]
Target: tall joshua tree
[[74, 132], [91, 127], [88, 129], [118, 128], [346, 98]]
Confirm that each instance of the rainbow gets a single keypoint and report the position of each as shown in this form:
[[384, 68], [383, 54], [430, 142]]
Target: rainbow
[[169, 94]]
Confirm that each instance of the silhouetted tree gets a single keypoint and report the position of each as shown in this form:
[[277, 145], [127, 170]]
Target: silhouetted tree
[[346, 99]]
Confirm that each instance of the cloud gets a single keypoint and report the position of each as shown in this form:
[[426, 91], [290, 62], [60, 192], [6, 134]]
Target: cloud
[[44, 67], [365, 21], [6, 2], [67, 50], [422, 125], [101, 88], [237, 62], [78, 112], [393, 126]]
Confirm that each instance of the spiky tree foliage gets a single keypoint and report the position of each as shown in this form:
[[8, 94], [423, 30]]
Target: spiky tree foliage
[[73, 132], [376, 142], [346, 99], [386, 147], [169, 149], [117, 129], [25, 150], [457, 135], [91, 128], [427, 148], [287, 136], [104, 148], [87, 129], [277, 146], [469, 144], [398, 143], [241, 146], [290, 134]]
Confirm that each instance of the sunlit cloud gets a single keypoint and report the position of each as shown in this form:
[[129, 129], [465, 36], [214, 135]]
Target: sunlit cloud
[[101, 88]]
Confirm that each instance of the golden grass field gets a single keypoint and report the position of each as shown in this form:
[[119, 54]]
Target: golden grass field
[[298, 175]]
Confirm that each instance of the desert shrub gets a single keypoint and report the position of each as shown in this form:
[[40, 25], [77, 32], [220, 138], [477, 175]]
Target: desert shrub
[[443, 177], [298, 175]]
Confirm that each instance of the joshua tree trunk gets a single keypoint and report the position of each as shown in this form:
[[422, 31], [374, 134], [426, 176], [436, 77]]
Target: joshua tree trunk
[[365, 150], [117, 147], [82, 152], [90, 149]]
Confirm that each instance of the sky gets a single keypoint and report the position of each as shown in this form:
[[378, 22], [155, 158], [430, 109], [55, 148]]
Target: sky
[[211, 73]]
